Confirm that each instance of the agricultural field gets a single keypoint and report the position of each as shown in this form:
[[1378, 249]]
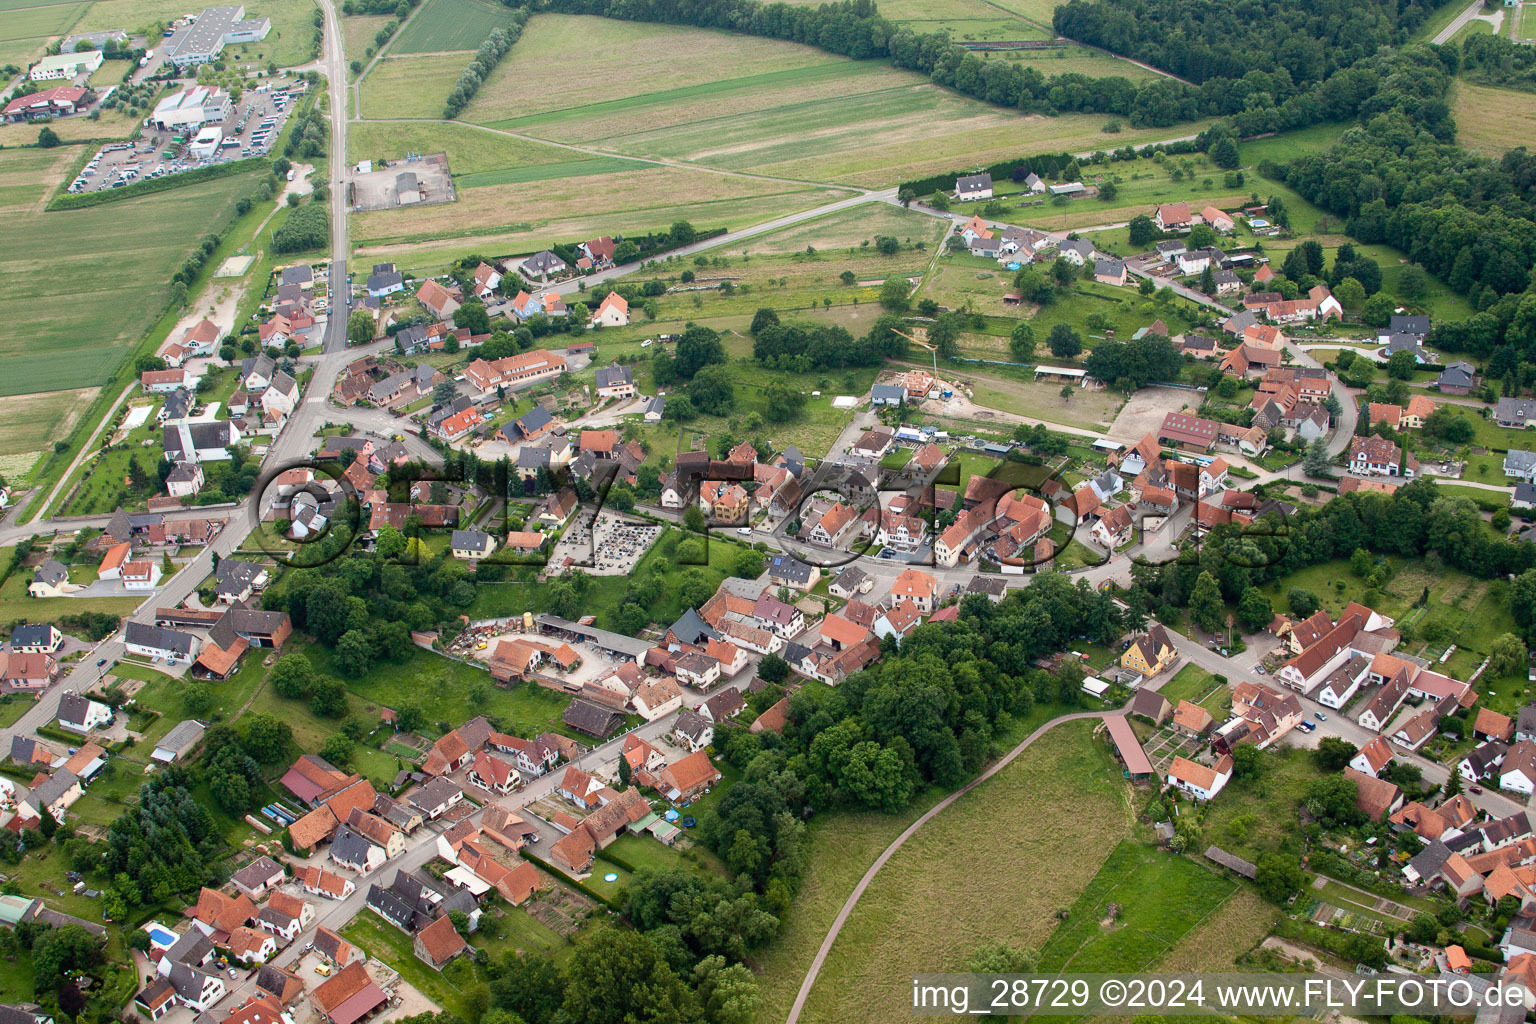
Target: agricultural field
[[48, 312], [471, 149], [1008, 884], [861, 123], [444, 25], [38, 23], [410, 87], [1489, 120], [528, 216], [29, 422]]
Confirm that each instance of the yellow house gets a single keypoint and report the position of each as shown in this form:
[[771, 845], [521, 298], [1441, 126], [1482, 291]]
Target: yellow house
[[1149, 653]]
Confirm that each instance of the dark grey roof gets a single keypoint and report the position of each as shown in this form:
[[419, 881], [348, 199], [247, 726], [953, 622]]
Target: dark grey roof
[[590, 718], [534, 420], [32, 635], [1490, 753], [690, 628], [298, 274], [1522, 461], [386, 279], [1458, 374], [182, 738], [73, 707], [1409, 325], [51, 573], [257, 872], [1526, 493], [1112, 268], [1510, 409], [790, 568], [433, 794], [851, 578], [973, 182], [53, 787], [350, 847], [532, 458], [609, 376], [887, 392], [390, 906], [1431, 859], [470, 540], [22, 749], [192, 948], [543, 263], [273, 980], [691, 724], [234, 577], [189, 981], [656, 404], [725, 703], [158, 638]]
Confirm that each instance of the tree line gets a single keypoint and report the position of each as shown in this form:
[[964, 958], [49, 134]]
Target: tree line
[[1401, 179], [1233, 561], [495, 47]]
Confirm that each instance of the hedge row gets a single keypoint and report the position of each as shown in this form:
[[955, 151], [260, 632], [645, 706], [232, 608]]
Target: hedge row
[[1043, 164], [80, 200], [607, 901]]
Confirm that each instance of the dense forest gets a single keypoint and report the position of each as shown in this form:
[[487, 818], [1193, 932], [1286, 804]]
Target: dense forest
[[1400, 179], [1298, 44], [1494, 60]]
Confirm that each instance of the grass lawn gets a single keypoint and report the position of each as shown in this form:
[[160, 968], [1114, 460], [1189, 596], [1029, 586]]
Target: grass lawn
[[447, 691], [384, 941], [15, 605], [414, 86], [1249, 820], [503, 599], [642, 852], [1161, 896], [983, 868], [357, 35], [1192, 683], [524, 216], [470, 149]]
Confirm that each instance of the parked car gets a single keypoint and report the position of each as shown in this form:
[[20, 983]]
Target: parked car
[[1322, 717]]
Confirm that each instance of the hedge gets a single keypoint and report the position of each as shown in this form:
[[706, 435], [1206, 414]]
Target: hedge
[[80, 200], [607, 901], [1043, 164]]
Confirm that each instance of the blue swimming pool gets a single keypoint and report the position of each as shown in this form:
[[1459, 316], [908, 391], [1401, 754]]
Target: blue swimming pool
[[162, 937]]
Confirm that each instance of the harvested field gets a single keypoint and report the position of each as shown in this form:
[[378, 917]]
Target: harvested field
[[470, 149], [863, 123], [1491, 121], [520, 218]]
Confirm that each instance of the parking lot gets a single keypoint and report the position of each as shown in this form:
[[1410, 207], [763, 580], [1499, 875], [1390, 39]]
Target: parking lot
[[251, 129]]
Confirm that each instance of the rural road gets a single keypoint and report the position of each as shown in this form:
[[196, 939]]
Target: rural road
[[1445, 34], [908, 833]]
